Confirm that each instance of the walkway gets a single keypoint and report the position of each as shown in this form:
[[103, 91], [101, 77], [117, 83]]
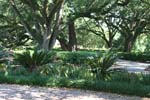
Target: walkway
[[131, 66]]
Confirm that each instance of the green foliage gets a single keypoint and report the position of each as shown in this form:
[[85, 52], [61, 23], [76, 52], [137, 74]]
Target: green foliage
[[68, 71], [32, 60], [131, 78], [77, 58], [19, 70], [117, 86], [136, 56], [37, 16], [2, 55], [145, 79], [142, 43], [121, 77], [5, 57], [100, 65], [83, 37], [58, 74]]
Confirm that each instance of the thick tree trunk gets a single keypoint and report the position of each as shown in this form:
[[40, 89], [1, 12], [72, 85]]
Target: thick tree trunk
[[109, 44], [56, 27], [72, 45], [63, 44], [45, 43], [128, 44], [111, 38]]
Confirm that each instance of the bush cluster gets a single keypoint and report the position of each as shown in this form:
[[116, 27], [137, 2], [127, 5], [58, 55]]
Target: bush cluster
[[133, 56], [78, 58]]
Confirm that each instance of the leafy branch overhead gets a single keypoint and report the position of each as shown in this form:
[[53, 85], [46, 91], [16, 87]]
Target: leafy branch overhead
[[43, 14], [69, 21]]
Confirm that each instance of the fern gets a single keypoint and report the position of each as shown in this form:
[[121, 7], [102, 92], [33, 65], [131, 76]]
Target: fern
[[99, 65], [32, 60]]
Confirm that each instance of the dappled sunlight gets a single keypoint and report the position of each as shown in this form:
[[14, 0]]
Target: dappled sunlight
[[16, 92], [94, 45]]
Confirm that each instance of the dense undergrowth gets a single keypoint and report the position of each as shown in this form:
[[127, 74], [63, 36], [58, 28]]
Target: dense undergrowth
[[122, 83], [83, 70]]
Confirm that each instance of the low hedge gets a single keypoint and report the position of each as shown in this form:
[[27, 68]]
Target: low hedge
[[133, 56], [78, 57]]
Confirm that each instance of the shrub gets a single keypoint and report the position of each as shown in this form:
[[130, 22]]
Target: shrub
[[18, 71], [74, 58], [133, 56], [3, 57], [126, 77], [68, 71], [77, 58], [100, 65], [32, 60], [6, 59], [145, 79]]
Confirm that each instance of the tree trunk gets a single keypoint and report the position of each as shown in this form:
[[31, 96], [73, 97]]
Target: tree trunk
[[45, 43], [72, 45], [63, 44], [109, 44], [56, 27], [128, 44], [111, 38]]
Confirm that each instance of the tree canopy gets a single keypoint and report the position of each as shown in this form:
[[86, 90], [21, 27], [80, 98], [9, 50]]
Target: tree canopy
[[45, 21]]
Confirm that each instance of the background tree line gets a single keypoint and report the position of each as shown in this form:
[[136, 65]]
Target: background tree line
[[74, 23]]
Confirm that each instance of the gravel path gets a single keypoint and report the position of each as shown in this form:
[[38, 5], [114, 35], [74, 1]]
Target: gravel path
[[132, 66], [17, 92]]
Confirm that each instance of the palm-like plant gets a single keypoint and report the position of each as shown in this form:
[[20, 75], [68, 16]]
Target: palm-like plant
[[100, 65], [32, 60]]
